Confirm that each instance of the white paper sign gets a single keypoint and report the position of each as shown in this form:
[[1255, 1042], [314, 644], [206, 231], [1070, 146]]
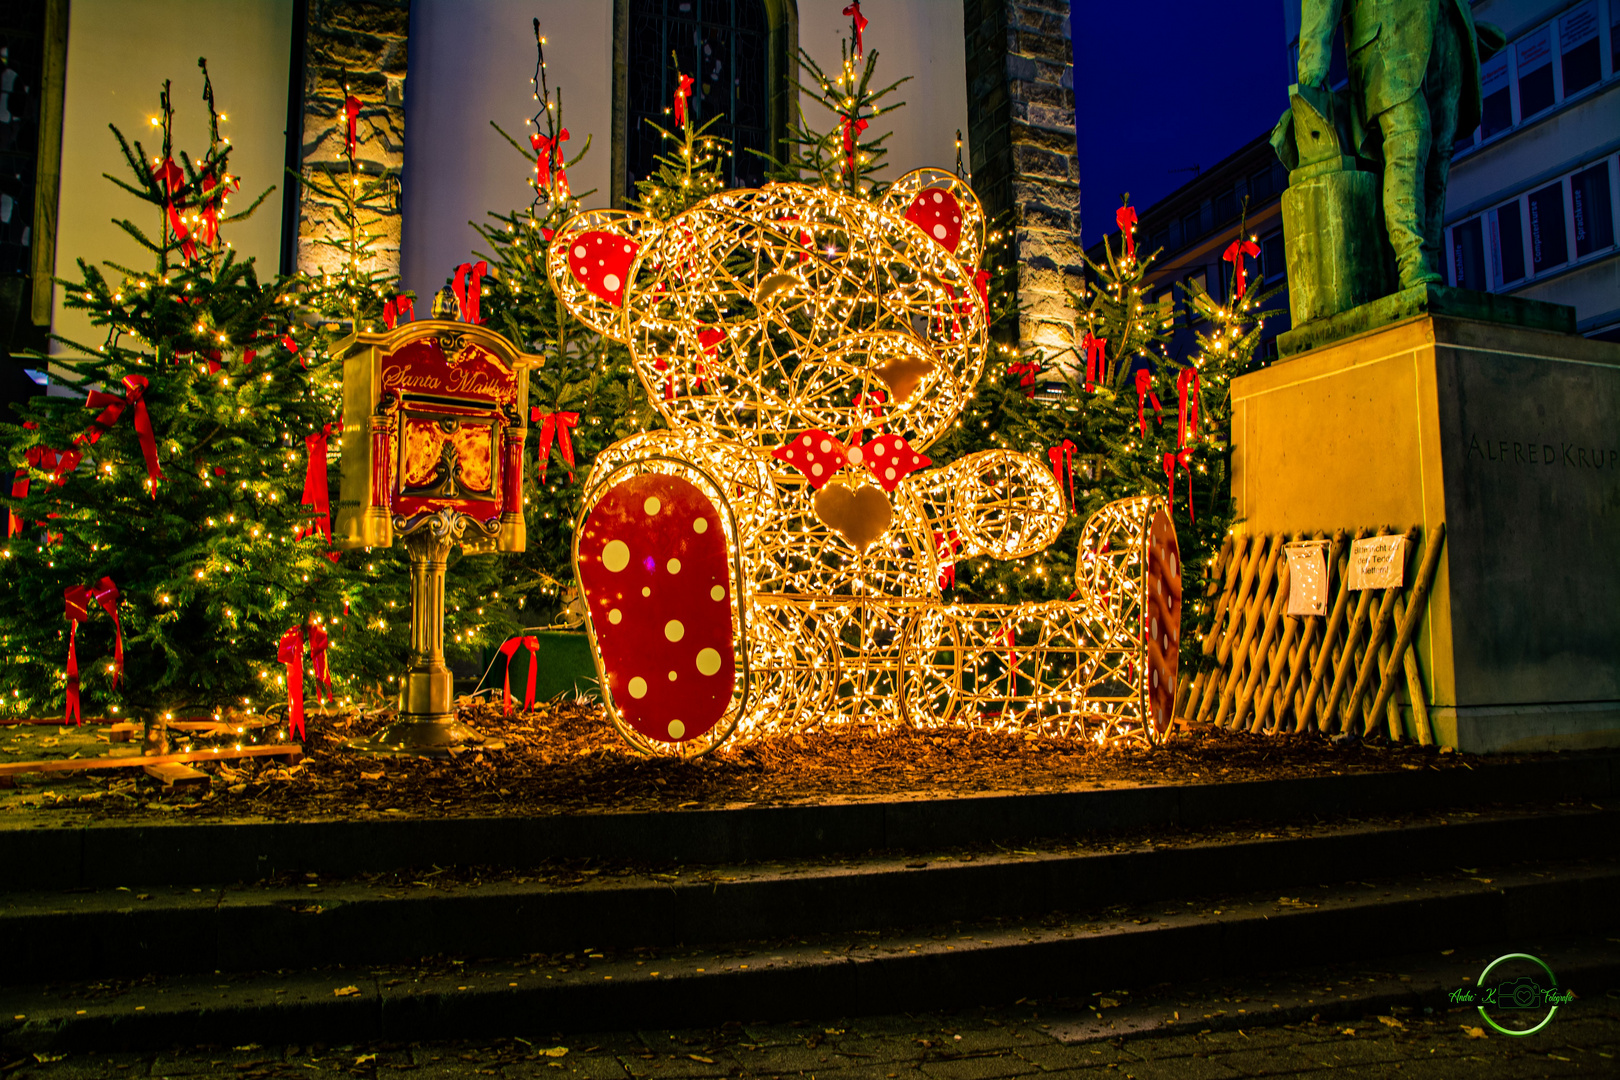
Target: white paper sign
[[1378, 562], [1307, 577]]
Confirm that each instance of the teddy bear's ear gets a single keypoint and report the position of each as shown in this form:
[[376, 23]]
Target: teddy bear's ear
[[944, 208], [591, 261]]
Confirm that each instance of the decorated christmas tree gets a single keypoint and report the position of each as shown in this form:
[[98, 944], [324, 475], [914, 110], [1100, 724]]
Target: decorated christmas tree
[[841, 157], [160, 498]]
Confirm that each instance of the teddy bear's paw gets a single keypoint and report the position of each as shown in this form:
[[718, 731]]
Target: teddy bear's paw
[[653, 564]]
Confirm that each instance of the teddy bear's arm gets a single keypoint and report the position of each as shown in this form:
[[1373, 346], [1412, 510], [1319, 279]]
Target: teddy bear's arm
[[996, 502]]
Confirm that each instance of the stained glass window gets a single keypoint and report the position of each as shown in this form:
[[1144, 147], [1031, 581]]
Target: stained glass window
[[724, 46]]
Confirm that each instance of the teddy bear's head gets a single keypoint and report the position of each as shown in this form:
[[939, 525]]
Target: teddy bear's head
[[758, 315]]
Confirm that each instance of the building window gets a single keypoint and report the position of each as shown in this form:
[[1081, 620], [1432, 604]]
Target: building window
[[1507, 243], [1189, 228], [1468, 256], [1496, 107], [739, 54], [1578, 42], [1523, 81], [1226, 205], [1273, 264], [1549, 245], [1530, 234], [1536, 73], [1591, 212]]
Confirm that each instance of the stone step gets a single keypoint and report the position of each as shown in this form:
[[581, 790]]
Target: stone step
[[1126, 947], [133, 931], [112, 853]]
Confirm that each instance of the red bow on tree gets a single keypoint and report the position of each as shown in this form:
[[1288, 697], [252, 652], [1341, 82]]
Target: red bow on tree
[[1187, 410], [112, 407], [213, 205], [682, 91], [400, 307], [1062, 459], [319, 666], [548, 153], [1240, 271], [509, 649], [76, 601], [290, 651], [852, 131], [1144, 393], [468, 285], [982, 280], [1095, 349], [351, 110], [1026, 370], [946, 545], [315, 491], [172, 178], [869, 406], [555, 426], [859, 22], [1125, 217], [1182, 459]]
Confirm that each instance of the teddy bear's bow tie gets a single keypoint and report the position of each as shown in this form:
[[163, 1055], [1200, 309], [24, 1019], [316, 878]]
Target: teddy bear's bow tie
[[819, 455]]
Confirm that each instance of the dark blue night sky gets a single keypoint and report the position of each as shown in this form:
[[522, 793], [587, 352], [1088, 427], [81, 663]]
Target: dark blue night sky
[[1166, 84]]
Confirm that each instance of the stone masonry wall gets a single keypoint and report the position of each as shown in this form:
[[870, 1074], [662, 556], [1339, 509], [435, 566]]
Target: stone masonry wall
[[363, 41], [1025, 164]]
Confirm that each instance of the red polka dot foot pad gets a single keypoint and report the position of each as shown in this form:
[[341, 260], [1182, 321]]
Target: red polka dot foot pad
[[652, 562]]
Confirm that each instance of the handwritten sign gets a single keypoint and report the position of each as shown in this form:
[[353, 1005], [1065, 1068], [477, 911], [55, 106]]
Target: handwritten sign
[[1378, 562], [1307, 577]]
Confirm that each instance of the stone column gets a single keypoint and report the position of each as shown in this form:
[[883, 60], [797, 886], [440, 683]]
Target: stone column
[[363, 42], [1025, 164]]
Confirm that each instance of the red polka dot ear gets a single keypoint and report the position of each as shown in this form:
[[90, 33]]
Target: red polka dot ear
[[939, 215], [890, 459], [817, 454], [600, 261]]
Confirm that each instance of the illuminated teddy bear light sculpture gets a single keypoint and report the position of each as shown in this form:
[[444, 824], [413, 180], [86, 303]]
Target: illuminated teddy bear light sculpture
[[776, 558]]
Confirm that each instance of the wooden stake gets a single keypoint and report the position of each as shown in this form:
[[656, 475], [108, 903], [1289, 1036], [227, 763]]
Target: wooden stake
[[1381, 628], [1409, 626], [1240, 605], [1324, 655], [1234, 564], [1267, 636], [1414, 683], [1251, 624]]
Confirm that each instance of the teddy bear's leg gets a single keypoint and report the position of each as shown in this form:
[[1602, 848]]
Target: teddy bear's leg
[[1104, 660], [658, 553]]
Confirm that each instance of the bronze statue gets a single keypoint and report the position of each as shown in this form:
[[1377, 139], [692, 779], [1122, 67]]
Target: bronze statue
[[1414, 84]]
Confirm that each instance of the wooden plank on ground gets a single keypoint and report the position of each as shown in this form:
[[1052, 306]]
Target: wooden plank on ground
[[292, 753], [176, 775]]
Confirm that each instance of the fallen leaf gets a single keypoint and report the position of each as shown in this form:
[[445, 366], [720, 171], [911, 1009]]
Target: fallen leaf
[[700, 1057], [346, 991], [1390, 1021], [249, 1046], [556, 1051], [1473, 1032], [46, 1059], [363, 1058]]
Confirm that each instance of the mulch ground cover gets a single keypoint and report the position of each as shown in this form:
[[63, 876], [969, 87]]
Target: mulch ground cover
[[566, 758]]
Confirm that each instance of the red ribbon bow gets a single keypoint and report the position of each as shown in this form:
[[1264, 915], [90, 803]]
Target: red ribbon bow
[[316, 495], [76, 601], [549, 157], [555, 426], [1125, 217], [1026, 370], [1187, 411], [1240, 272], [869, 406], [351, 110], [112, 407], [1095, 349], [859, 22], [319, 665], [852, 131], [468, 285], [172, 178], [400, 307], [291, 652], [1062, 459], [946, 545], [213, 205], [1144, 392], [1183, 460], [509, 649], [682, 92]]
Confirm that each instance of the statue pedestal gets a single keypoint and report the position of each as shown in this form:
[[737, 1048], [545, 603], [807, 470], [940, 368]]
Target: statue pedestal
[[1509, 436]]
